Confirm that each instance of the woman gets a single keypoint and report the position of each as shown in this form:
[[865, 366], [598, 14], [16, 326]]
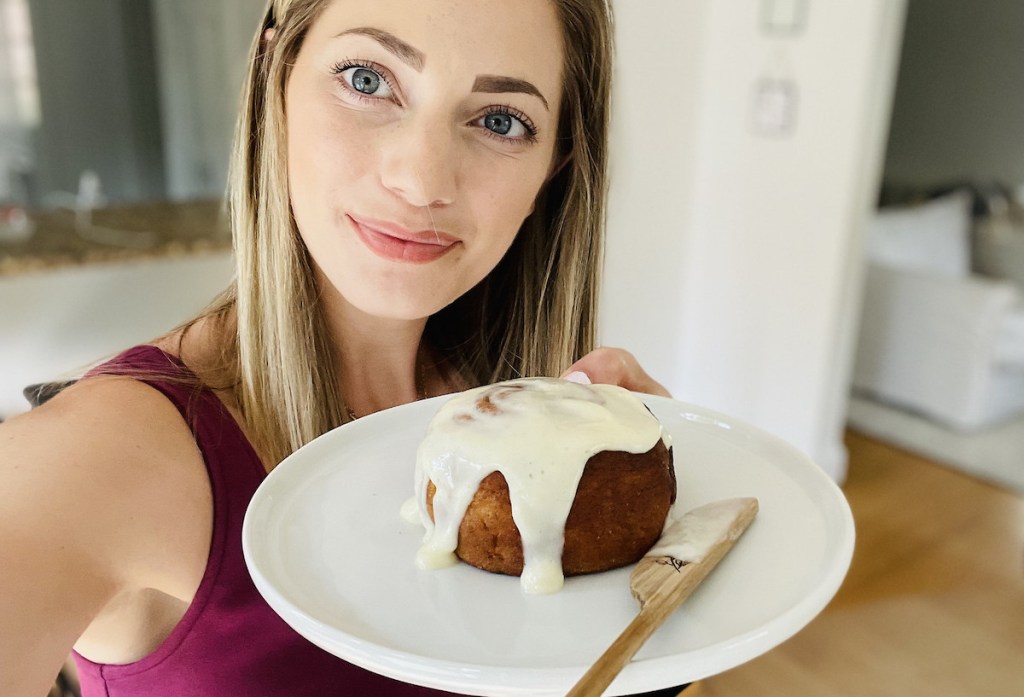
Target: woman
[[417, 200]]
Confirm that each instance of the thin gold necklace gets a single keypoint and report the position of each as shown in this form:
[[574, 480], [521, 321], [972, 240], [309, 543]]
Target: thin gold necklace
[[421, 391]]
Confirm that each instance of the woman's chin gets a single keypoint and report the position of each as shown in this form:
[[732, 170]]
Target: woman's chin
[[397, 306]]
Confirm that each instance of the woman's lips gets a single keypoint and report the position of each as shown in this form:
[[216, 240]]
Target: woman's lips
[[396, 243]]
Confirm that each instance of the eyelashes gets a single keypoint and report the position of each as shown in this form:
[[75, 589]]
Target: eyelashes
[[369, 82]]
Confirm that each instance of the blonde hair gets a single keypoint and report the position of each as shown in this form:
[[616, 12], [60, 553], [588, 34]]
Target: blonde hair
[[533, 315]]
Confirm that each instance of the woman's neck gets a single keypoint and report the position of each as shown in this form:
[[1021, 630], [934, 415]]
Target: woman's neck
[[380, 369], [381, 362]]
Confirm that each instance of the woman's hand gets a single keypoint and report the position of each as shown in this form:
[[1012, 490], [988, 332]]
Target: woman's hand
[[615, 366]]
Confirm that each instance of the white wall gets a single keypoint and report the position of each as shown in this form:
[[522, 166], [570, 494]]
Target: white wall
[[57, 322], [654, 139], [734, 267]]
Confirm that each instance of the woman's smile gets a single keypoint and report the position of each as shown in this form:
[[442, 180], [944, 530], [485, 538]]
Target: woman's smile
[[396, 243]]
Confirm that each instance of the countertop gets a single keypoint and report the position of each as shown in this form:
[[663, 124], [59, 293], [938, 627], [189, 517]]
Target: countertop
[[122, 233]]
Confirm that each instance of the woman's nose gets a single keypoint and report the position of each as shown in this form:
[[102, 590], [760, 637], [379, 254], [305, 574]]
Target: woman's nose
[[420, 163]]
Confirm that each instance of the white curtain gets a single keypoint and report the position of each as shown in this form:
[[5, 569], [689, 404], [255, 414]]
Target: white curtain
[[201, 49], [19, 100]]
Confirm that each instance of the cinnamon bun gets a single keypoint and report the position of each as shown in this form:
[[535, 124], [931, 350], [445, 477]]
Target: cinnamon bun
[[543, 478]]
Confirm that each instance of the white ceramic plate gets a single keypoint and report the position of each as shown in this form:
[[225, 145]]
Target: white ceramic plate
[[327, 548]]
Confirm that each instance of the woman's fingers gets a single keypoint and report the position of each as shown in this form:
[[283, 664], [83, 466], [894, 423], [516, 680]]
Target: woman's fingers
[[614, 366]]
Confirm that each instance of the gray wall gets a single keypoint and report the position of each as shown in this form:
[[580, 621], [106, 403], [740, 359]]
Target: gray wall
[[144, 92], [959, 108], [98, 97]]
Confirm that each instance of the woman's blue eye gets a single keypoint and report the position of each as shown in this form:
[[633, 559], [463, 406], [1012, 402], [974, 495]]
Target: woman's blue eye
[[366, 81], [506, 125], [499, 123]]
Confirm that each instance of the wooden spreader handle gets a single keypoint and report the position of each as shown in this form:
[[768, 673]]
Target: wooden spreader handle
[[661, 584]]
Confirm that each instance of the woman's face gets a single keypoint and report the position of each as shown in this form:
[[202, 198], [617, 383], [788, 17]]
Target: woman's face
[[419, 134]]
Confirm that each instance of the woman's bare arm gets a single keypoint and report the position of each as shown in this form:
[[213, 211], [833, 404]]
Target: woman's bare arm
[[92, 490]]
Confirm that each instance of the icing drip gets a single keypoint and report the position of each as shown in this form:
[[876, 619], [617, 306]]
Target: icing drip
[[539, 433]]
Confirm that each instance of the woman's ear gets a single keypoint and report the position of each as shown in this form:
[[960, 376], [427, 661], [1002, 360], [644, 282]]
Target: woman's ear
[[269, 34]]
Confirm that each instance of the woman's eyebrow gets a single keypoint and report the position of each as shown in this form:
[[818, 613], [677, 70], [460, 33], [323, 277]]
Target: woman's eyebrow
[[496, 84], [408, 54]]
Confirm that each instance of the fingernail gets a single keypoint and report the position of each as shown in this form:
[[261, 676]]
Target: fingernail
[[578, 377]]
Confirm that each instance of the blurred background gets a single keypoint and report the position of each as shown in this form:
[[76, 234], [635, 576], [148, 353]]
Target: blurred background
[[815, 215]]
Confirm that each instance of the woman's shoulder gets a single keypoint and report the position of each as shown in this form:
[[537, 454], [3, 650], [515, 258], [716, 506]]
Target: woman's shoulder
[[113, 414], [100, 467]]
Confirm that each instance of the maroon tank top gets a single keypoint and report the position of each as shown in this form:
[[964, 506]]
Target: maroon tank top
[[229, 642]]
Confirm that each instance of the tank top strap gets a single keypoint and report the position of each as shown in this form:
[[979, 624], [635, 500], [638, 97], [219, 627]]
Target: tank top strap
[[213, 427], [234, 468]]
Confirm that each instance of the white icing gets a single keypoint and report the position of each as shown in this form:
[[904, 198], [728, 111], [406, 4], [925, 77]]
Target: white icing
[[690, 537], [539, 434]]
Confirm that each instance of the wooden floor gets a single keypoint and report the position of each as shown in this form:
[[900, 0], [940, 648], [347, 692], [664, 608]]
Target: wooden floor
[[934, 601]]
